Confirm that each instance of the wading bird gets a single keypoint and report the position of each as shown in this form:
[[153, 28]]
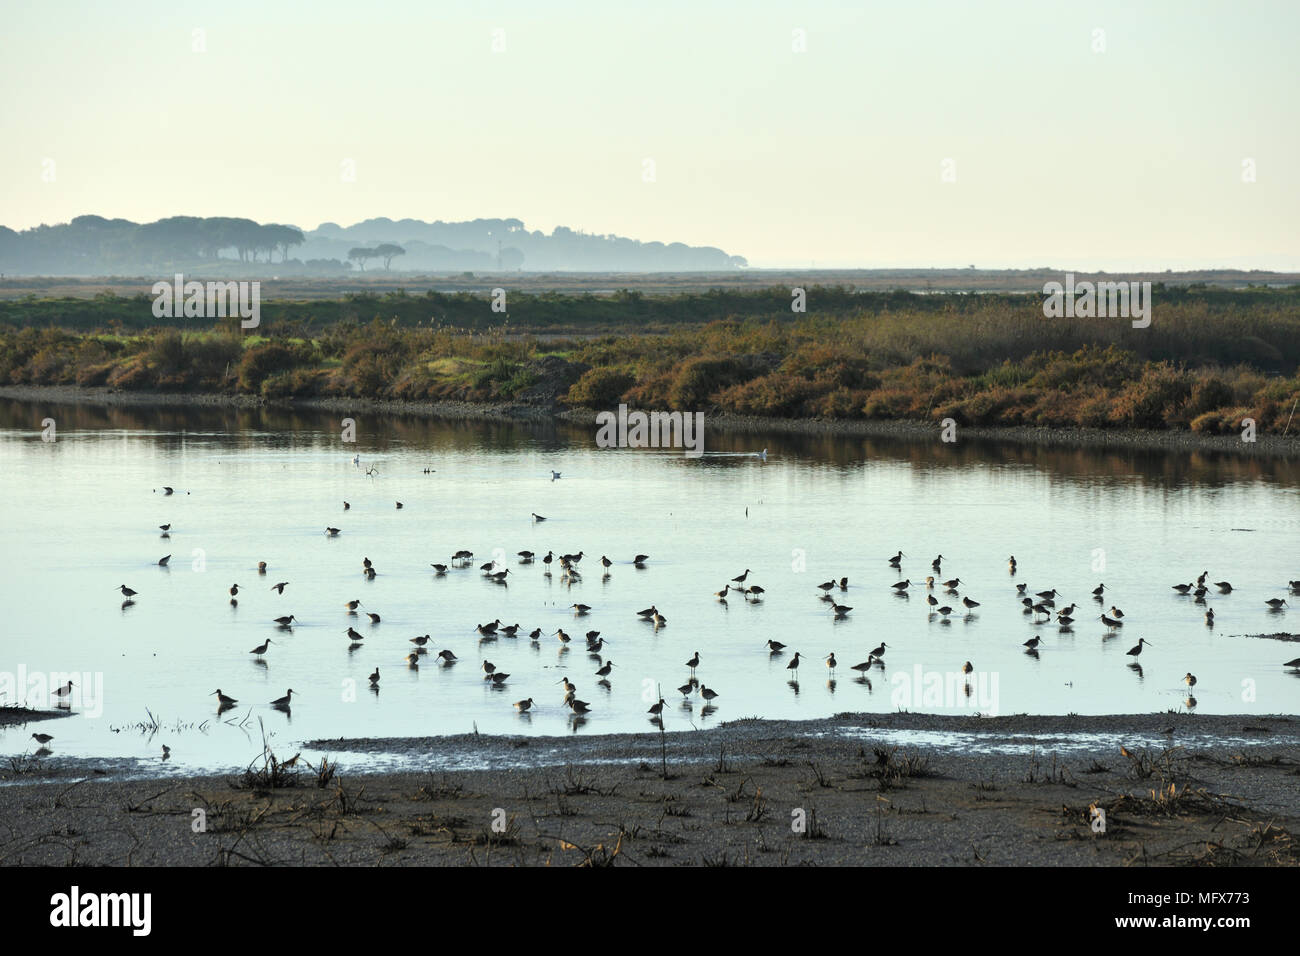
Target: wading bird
[[282, 703], [1136, 649]]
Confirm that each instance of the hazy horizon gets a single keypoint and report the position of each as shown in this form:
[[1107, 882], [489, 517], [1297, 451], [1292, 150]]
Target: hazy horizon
[[1063, 154]]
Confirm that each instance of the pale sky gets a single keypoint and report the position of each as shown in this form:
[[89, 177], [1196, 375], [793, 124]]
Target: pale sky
[[1063, 156]]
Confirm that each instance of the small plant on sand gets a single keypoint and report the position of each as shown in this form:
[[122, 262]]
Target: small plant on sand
[[268, 773]]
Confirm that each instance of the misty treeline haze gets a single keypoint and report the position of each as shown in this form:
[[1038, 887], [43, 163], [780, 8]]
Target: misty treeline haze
[[219, 245]]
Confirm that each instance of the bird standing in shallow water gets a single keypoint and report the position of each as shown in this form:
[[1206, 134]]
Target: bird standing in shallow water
[[1136, 649], [708, 694], [223, 700], [1189, 679], [260, 649], [794, 664], [283, 702]]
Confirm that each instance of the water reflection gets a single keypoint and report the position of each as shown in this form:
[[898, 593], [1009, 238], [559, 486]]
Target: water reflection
[[175, 428]]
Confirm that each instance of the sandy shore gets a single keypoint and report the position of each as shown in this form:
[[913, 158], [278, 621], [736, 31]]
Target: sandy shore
[[1007, 791], [1268, 446]]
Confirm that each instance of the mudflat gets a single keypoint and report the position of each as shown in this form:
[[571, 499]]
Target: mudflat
[[1174, 789]]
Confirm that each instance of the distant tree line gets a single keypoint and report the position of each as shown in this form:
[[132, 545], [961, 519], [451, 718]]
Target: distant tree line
[[94, 245]]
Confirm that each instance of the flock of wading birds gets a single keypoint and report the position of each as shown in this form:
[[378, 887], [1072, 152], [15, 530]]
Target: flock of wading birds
[[1041, 605]]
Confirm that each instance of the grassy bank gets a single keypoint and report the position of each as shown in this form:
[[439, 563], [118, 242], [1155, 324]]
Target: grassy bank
[[1209, 359]]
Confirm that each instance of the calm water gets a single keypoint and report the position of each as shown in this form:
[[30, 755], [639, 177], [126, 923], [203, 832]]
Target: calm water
[[81, 517]]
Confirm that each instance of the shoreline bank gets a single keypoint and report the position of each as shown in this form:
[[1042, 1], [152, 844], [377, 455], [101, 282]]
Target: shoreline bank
[[1268, 446], [750, 792]]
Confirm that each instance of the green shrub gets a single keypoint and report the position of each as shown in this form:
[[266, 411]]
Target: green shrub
[[262, 361], [600, 388]]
